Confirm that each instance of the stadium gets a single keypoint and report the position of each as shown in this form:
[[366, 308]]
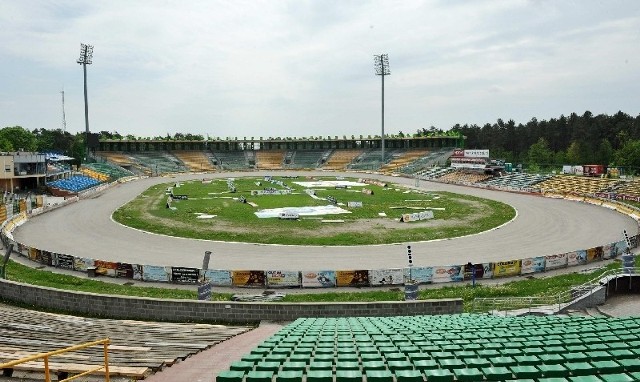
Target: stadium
[[562, 221]]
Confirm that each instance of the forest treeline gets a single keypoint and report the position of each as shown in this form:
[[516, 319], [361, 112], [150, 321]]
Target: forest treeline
[[612, 140]]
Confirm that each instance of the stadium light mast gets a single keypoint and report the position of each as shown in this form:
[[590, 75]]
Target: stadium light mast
[[381, 64], [86, 56]]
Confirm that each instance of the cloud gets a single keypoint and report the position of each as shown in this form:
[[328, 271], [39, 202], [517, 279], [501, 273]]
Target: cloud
[[301, 68]]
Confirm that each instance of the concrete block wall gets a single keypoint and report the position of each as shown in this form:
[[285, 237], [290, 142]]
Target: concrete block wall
[[138, 308]]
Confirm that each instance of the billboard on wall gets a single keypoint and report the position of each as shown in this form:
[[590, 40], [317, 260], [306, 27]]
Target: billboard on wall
[[217, 277], [105, 268], [471, 153], [481, 270], [156, 273], [248, 278], [386, 277], [81, 264], [352, 278], [318, 279], [555, 261], [64, 261], [594, 254], [532, 265], [124, 270], [283, 278], [506, 268], [184, 275], [576, 258], [421, 275], [448, 273]]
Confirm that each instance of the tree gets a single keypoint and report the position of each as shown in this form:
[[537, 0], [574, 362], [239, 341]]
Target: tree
[[539, 153], [574, 153], [19, 138], [629, 155]]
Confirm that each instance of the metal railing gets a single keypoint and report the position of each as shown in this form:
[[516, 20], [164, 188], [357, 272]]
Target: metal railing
[[555, 303], [45, 357]]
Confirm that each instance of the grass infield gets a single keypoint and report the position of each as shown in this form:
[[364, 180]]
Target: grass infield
[[213, 210]]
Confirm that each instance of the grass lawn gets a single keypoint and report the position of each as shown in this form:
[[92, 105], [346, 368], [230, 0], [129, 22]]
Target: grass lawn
[[377, 221]]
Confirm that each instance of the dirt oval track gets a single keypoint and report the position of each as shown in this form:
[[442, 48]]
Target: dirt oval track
[[542, 227]]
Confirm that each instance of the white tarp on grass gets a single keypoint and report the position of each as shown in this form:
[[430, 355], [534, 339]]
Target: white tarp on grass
[[329, 183], [302, 211]]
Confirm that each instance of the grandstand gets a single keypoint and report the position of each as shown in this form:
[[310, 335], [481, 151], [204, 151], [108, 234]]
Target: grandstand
[[124, 161], [306, 158], [463, 177], [516, 181], [371, 159], [461, 347], [137, 348], [74, 184], [340, 159], [111, 171], [232, 160], [269, 160], [158, 162], [197, 161], [402, 158], [577, 185]]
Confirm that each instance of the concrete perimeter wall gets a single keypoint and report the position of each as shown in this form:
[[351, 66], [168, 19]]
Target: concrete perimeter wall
[[138, 308]]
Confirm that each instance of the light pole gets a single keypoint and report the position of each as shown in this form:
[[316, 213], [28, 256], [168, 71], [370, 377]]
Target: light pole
[[86, 55], [381, 64]]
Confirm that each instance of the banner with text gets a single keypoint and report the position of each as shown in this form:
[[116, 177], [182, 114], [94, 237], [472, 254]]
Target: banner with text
[[555, 261], [386, 277], [448, 273], [248, 278], [283, 278], [352, 278], [421, 275], [318, 279], [156, 273], [217, 277], [532, 265], [506, 268], [576, 258]]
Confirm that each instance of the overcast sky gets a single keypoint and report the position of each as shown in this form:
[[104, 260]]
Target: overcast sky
[[302, 68]]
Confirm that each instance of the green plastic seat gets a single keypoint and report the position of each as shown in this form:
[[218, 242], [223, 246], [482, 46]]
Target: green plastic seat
[[352, 357], [608, 367], [418, 356], [526, 371], [409, 376], [399, 365], [599, 355], [253, 357], [439, 375], [619, 377], [426, 364], [465, 354], [259, 376], [550, 359], [630, 364], [553, 379], [230, 376], [536, 350], [348, 376], [502, 361], [499, 373], [635, 376], [511, 352], [488, 353], [347, 365], [442, 355], [244, 366], [272, 366], [575, 357], [585, 378], [622, 354], [554, 349], [553, 370], [320, 376], [293, 366], [468, 374], [324, 357], [580, 368], [451, 363], [379, 376], [395, 357], [477, 362], [321, 365], [373, 365], [289, 376]]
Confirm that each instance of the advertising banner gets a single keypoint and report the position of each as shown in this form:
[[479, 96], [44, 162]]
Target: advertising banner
[[318, 279], [594, 254], [80, 264], [506, 268], [386, 277], [576, 258], [35, 255], [482, 271], [124, 271], [555, 261], [184, 275], [217, 277], [417, 216], [138, 271], [64, 261], [46, 258], [532, 265], [156, 273], [105, 268], [422, 275], [352, 278], [248, 278], [283, 278], [447, 274]]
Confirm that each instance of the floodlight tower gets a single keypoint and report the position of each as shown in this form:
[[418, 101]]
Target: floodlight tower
[[86, 55], [381, 63], [64, 118]]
